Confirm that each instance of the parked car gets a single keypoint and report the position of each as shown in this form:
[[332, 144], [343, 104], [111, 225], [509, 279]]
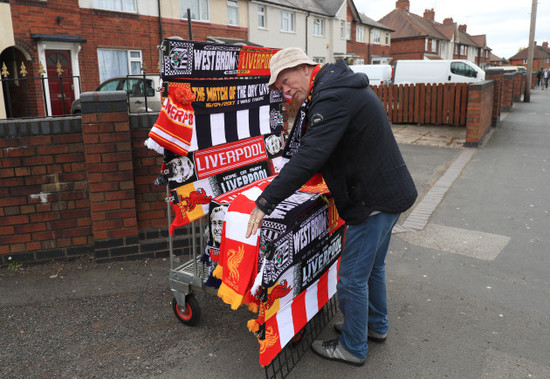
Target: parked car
[[437, 71], [137, 88], [377, 73]]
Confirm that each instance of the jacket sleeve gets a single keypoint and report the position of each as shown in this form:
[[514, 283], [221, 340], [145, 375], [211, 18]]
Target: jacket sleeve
[[328, 119]]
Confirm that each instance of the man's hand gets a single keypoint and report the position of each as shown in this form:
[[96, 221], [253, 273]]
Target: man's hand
[[256, 217]]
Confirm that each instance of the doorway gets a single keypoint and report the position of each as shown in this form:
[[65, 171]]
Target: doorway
[[60, 81]]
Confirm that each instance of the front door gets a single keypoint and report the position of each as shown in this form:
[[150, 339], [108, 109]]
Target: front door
[[60, 81]]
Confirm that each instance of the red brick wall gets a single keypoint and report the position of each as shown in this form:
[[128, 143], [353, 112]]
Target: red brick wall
[[83, 186], [150, 207], [496, 76], [44, 203], [518, 86], [480, 111], [507, 99]]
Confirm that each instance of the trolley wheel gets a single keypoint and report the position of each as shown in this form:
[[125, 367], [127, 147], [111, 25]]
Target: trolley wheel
[[189, 316]]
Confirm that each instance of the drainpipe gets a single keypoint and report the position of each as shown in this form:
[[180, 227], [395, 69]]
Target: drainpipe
[[307, 37], [160, 22], [368, 47]]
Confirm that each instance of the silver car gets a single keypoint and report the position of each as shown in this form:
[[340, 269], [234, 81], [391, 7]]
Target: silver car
[[140, 91]]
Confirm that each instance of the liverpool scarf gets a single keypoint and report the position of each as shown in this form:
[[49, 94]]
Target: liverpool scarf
[[173, 129]]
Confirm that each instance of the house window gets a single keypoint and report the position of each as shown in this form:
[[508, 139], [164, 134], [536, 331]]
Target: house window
[[348, 30], [342, 29], [113, 63], [426, 44], [318, 27], [287, 21], [376, 36], [232, 12], [116, 5], [387, 38], [434, 45], [261, 16], [360, 33], [199, 9], [442, 48]]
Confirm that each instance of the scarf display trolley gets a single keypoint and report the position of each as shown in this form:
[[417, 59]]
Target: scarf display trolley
[[220, 131]]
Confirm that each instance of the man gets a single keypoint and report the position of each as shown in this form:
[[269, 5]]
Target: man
[[349, 140]]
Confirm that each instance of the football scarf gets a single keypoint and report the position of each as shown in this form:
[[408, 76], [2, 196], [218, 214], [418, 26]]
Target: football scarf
[[238, 262], [173, 129], [192, 59]]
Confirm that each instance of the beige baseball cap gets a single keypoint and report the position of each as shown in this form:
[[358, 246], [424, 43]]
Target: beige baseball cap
[[287, 58]]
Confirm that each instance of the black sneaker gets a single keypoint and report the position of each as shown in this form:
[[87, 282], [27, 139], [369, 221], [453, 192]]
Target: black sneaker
[[332, 350], [372, 336]]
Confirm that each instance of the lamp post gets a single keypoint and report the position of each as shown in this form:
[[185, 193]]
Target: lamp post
[[530, 53]]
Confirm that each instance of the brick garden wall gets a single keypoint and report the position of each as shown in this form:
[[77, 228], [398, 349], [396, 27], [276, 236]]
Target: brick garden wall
[[73, 187], [44, 201], [480, 111]]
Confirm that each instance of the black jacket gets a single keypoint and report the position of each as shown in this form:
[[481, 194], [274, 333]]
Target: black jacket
[[350, 141]]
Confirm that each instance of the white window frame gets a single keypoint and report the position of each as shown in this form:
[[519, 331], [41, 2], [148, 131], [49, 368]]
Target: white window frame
[[233, 12], [342, 29], [375, 33], [287, 22], [442, 48], [348, 30], [203, 14], [360, 33], [262, 24], [128, 6], [387, 38], [318, 27], [132, 56], [434, 45], [426, 43]]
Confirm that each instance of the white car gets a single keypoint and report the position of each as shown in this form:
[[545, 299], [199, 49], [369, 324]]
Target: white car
[[140, 91]]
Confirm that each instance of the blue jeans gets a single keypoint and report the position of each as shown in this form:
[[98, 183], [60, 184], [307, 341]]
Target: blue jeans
[[362, 281]]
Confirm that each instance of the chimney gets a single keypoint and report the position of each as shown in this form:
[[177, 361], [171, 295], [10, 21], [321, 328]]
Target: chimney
[[429, 14], [462, 28], [402, 4], [448, 20], [545, 44]]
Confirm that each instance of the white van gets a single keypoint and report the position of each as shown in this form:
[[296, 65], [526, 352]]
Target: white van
[[377, 73], [437, 71]]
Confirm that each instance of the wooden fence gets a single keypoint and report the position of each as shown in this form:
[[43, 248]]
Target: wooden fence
[[435, 104]]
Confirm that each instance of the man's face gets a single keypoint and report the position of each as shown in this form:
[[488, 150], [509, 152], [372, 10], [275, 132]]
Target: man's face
[[216, 223], [183, 167], [294, 82]]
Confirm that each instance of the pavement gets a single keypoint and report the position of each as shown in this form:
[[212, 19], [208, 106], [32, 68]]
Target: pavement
[[468, 283]]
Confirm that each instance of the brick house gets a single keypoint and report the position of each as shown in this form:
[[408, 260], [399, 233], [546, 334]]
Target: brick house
[[421, 37], [84, 35], [541, 57]]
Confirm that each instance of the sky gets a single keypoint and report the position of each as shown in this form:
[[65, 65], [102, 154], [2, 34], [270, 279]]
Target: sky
[[506, 23]]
